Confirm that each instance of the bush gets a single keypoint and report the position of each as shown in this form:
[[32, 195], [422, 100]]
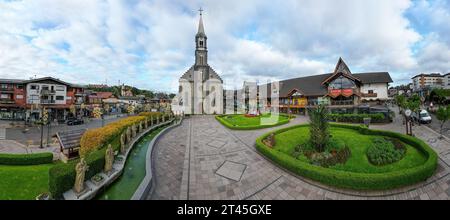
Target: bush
[[26, 159], [357, 118], [383, 152], [352, 180], [97, 138]]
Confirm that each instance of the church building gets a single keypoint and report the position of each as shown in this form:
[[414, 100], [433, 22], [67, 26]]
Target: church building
[[201, 88]]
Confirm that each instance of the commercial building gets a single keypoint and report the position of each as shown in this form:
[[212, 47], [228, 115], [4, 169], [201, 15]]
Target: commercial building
[[431, 81], [25, 99]]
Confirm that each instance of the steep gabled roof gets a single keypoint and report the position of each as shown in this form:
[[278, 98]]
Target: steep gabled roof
[[341, 69]]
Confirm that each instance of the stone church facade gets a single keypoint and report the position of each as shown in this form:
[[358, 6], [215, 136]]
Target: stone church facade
[[201, 88]]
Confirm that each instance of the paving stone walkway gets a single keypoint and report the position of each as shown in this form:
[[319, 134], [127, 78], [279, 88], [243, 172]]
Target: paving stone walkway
[[204, 160]]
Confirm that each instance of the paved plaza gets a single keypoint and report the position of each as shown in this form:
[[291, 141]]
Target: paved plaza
[[201, 159]]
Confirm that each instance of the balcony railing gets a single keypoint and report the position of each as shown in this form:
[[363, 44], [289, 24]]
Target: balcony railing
[[48, 92], [369, 95], [7, 101], [47, 101]]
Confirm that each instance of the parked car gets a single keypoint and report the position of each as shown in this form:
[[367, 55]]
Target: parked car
[[423, 117], [75, 121]]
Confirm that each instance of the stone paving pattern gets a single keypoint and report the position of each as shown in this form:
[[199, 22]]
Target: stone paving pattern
[[202, 160]]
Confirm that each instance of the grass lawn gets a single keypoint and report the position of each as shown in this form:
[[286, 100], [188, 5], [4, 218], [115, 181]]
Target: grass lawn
[[242, 122], [23, 182], [358, 144]]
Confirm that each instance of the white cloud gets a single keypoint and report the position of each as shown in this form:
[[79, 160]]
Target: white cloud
[[151, 43]]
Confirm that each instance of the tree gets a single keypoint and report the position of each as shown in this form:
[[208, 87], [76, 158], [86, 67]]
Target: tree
[[439, 95], [401, 102], [319, 127], [413, 103], [443, 115]]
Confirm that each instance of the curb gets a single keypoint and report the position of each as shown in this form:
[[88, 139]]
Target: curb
[[437, 133], [146, 186]]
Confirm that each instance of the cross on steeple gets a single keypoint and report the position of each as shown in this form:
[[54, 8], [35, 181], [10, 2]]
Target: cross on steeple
[[201, 11]]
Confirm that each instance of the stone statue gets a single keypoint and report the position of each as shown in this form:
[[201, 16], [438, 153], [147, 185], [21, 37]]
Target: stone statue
[[145, 124], [109, 159], [163, 118], [151, 120], [157, 119], [140, 127], [128, 135], [122, 143], [80, 169], [133, 131]]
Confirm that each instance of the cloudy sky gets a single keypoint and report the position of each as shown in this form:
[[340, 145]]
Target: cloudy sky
[[150, 43]]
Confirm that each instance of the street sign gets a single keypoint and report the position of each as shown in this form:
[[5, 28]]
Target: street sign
[[408, 113]]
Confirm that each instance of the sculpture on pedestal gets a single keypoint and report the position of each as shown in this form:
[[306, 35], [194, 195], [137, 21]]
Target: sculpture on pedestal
[[109, 159], [133, 131], [80, 169], [128, 135], [122, 143], [151, 120]]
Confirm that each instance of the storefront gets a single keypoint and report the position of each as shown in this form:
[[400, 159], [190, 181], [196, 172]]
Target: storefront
[[12, 113]]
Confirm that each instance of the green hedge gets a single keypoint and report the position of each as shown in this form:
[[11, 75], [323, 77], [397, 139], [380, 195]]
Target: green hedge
[[62, 176], [352, 180], [357, 118], [26, 159], [252, 127]]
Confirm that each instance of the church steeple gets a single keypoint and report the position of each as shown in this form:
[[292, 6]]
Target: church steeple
[[201, 51], [201, 29]]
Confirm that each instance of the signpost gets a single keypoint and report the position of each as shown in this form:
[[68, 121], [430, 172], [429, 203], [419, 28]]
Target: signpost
[[408, 113]]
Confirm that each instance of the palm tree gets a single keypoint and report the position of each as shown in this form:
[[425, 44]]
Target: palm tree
[[319, 127]]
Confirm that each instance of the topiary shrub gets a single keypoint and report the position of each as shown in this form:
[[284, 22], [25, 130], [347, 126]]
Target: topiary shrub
[[384, 152], [26, 159]]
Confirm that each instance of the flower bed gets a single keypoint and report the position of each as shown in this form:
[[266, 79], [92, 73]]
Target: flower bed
[[419, 163]]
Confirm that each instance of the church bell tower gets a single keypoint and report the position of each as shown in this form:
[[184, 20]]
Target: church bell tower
[[201, 50]]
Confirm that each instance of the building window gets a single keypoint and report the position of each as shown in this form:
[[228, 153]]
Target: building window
[[19, 96], [19, 86], [4, 96], [59, 88], [59, 98], [370, 91], [34, 87], [4, 86], [342, 83], [201, 43]]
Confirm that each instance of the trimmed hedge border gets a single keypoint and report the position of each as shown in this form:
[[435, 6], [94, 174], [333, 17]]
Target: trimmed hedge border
[[358, 118], [26, 159], [352, 180], [225, 123]]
